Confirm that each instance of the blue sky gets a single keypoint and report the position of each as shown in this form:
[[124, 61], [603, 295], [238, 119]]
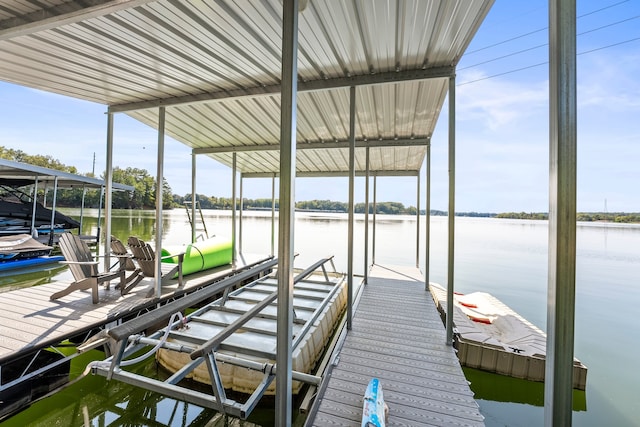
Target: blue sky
[[502, 129]]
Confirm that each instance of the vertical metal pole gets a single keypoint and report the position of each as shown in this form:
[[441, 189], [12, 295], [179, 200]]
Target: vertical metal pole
[[418, 220], [366, 219], [273, 213], [373, 234], [100, 218], [53, 210], [193, 196], [240, 216], [289, 94], [452, 206], [159, 194], [53, 203], [84, 193], [427, 216], [558, 391], [34, 204], [108, 194], [233, 209], [352, 177]]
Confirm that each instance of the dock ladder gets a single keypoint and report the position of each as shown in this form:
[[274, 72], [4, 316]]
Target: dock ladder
[[187, 206]]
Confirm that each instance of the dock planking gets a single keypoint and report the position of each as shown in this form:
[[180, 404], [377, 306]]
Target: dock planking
[[397, 336], [29, 320]]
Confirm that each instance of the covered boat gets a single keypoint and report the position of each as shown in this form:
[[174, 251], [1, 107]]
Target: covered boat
[[17, 214], [492, 337], [22, 250]]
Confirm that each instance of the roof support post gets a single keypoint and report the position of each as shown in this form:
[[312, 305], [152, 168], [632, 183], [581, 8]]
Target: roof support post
[[352, 177], [108, 194], [427, 215], [84, 193], [273, 213], [193, 197], [240, 215], [107, 219], [33, 208], [366, 219], [452, 206], [233, 208], [418, 220], [558, 390], [286, 220], [375, 208], [159, 194], [53, 209]]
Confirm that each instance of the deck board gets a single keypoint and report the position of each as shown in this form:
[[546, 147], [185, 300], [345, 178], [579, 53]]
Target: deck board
[[28, 318], [398, 337]]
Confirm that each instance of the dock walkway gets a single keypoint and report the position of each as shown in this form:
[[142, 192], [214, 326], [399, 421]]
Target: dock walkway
[[397, 336]]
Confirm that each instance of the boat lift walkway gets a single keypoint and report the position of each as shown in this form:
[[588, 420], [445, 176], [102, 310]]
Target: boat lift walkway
[[397, 336], [31, 324]]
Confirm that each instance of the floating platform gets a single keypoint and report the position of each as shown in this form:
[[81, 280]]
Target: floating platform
[[231, 342], [492, 337], [202, 255], [318, 303]]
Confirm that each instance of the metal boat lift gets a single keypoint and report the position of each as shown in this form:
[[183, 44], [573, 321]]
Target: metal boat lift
[[314, 289]]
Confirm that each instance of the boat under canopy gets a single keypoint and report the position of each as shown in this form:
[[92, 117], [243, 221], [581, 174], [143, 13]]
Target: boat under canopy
[[17, 213], [22, 250], [492, 337]]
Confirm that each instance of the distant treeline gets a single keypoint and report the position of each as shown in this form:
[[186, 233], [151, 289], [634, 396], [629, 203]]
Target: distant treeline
[[212, 202], [144, 197], [620, 217]]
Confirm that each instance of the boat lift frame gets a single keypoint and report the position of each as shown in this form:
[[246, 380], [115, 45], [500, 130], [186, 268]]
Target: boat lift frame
[[130, 340]]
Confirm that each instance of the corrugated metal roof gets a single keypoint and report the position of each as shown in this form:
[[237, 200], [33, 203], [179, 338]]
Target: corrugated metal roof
[[215, 65]]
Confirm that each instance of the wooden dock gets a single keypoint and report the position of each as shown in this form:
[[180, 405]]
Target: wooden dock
[[29, 321], [397, 336]]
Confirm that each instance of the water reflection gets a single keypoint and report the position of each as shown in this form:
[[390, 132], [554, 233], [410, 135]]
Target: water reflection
[[94, 401], [501, 388]]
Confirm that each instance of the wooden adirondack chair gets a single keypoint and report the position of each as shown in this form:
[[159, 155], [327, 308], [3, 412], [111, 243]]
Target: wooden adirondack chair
[[134, 272], [84, 268], [145, 257]]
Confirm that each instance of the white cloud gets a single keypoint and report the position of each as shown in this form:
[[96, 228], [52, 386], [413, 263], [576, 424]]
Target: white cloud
[[498, 102]]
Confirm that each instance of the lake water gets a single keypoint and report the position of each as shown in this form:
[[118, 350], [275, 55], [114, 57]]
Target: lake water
[[507, 258]]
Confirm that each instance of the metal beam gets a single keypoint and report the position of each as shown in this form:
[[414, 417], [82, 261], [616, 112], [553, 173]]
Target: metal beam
[[558, 390], [159, 194], [352, 177], [308, 86], [63, 14], [427, 216], [363, 143], [108, 191], [373, 233], [273, 213], [418, 221], [240, 215], [366, 219], [234, 239], [289, 94], [335, 174], [193, 197], [452, 208]]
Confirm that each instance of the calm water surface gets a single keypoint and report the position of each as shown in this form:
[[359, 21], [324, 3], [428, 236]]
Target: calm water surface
[[506, 258]]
